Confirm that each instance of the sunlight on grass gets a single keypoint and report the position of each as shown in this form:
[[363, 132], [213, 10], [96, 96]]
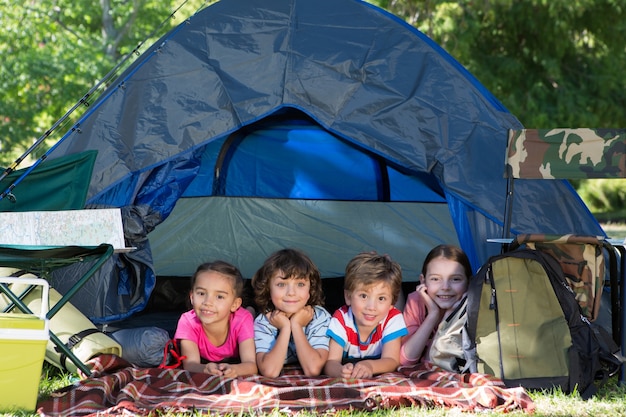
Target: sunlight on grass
[[53, 379], [610, 401]]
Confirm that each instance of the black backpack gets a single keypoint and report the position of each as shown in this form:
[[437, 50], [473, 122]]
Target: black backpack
[[525, 326]]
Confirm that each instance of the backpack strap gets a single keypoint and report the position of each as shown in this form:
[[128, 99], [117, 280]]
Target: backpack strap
[[610, 354], [459, 311], [615, 291], [73, 341], [474, 291]]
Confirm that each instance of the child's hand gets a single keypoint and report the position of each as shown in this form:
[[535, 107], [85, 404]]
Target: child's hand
[[303, 317], [361, 370], [220, 369], [278, 319], [431, 305], [213, 368], [227, 370], [346, 370]]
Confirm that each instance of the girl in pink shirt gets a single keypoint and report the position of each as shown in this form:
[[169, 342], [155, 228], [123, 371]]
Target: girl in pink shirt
[[443, 284], [217, 335]]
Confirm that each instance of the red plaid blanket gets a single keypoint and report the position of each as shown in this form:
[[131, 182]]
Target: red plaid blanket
[[117, 388]]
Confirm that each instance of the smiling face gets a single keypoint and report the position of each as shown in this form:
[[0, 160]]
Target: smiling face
[[213, 297], [445, 282], [288, 294], [370, 305]]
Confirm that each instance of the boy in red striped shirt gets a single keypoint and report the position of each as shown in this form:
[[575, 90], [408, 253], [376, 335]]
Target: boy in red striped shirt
[[366, 333]]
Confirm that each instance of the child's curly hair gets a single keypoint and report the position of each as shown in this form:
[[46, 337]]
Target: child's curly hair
[[369, 268], [294, 264]]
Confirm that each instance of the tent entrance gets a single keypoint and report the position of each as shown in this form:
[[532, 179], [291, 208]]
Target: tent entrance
[[291, 156], [285, 181], [245, 231]]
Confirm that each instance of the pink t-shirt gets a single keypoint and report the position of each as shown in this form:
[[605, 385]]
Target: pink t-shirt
[[414, 314], [241, 328]]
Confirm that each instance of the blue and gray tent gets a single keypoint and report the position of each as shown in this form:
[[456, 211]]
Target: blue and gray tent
[[327, 125]]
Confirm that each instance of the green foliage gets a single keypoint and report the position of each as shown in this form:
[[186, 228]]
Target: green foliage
[[603, 195], [53, 378], [49, 68], [556, 63], [56, 51]]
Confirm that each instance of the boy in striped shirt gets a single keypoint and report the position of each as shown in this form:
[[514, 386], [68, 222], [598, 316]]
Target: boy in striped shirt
[[366, 333]]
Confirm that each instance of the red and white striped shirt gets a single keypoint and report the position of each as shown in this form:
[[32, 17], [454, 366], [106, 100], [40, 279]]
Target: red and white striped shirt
[[343, 330]]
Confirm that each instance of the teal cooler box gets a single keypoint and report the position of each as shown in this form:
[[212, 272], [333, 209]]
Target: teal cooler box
[[23, 340]]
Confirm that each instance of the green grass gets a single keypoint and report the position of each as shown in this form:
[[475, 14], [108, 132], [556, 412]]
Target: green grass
[[609, 402]]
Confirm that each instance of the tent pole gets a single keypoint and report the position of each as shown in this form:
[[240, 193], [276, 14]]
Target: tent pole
[[508, 210]]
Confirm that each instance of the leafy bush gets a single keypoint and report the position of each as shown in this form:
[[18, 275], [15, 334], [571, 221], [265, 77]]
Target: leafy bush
[[603, 195]]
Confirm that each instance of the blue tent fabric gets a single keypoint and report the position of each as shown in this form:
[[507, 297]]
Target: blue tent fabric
[[376, 92]]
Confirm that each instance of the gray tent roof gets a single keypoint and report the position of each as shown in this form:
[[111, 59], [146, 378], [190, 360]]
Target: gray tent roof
[[360, 72]]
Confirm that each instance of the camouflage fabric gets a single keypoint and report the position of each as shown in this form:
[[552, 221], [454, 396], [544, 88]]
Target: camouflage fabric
[[582, 260], [566, 153]]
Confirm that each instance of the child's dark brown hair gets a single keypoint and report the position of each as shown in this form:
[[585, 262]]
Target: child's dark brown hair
[[223, 268], [451, 252], [294, 264]]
